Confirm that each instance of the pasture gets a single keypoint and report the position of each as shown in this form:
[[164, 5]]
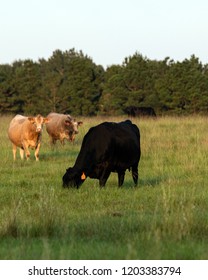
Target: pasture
[[164, 217]]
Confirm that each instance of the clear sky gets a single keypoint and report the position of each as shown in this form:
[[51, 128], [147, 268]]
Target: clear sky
[[106, 30]]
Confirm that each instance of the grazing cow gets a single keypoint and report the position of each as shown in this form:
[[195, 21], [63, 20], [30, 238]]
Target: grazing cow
[[25, 132], [134, 111], [107, 147], [62, 127]]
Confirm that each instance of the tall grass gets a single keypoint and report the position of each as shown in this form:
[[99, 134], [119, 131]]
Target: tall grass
[[165, 217]]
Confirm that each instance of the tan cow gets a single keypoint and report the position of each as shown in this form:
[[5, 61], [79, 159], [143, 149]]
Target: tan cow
[[61, 127], [25, 132]]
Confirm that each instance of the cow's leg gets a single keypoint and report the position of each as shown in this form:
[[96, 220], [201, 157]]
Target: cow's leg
[[37, 152], [14, 150], [21, 153], [52, 141], [104, 177], [135, 173], [27, 152], [121, 175]]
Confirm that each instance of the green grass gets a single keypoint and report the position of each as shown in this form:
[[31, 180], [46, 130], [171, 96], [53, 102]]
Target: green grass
[[165, 217]]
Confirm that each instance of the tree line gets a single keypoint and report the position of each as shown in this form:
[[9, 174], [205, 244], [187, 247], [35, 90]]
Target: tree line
[[70, 82]]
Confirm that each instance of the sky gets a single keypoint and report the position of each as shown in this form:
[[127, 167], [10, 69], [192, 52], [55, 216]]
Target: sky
[[108, 31]]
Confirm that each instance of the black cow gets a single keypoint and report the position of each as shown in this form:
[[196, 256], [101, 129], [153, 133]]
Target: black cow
[[134, 111], [107, 147]]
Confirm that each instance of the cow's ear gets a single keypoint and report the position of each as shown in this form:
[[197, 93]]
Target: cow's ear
[[31, 119], [46, 120], [80, 123]]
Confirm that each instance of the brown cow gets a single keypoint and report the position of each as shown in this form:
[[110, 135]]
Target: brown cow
[[25, 132], [62, 127]]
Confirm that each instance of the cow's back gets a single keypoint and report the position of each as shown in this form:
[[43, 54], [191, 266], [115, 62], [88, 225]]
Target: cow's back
[[15, 130], [113, 142], [55, 122], [125, 144]]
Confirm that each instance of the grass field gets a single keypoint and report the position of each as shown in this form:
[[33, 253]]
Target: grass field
[[165, 217]]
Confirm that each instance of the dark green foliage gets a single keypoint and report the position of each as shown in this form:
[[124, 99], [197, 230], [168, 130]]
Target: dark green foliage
[[167, 86], [70, 82]]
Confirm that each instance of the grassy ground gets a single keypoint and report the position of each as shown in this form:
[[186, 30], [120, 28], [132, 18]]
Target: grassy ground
[[165, 217]]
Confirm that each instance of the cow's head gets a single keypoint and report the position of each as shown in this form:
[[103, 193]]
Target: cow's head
[[72, 127], [73, 178], [38, 122]]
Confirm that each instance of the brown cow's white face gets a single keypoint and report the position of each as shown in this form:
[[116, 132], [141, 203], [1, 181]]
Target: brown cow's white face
[[38, 122], [72, 126]]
